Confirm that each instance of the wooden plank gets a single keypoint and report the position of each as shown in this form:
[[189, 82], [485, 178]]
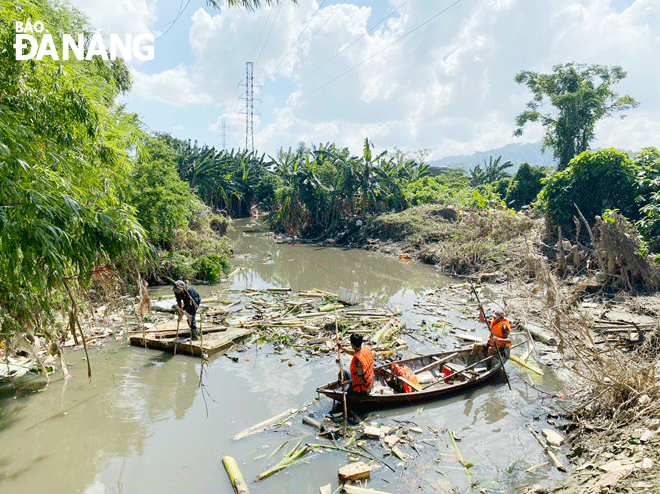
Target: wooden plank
[[355, 471], [212, 343], [460, 369], [437, 361]]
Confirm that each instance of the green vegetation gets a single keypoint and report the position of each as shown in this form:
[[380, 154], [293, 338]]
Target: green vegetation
[[64, 167], [594, 182], [491, 172], [647, 166], [163, 202], [75, 203], [186, 233], [525, 186], [84, 190], [579, 102]]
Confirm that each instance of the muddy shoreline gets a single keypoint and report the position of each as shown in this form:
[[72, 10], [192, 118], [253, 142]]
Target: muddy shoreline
[[607, 452]]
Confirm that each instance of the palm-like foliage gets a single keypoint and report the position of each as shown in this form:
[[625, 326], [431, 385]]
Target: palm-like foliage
[[492, 172]]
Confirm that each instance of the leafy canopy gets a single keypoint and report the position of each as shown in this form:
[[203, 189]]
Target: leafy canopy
[[580, 101], [595, 181], [64, 167]]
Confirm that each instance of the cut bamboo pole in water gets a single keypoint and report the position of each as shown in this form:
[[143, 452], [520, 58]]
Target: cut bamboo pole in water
[[237, 482], [547, 449], [354, 489], [526, 365], [266, 423]]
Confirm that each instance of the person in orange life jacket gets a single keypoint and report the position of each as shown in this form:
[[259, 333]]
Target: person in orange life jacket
[[500, 338], [362, 366], [406, 372]]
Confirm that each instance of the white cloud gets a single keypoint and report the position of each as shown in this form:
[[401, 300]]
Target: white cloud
[[120, 16], [448, 85], [174, 87]]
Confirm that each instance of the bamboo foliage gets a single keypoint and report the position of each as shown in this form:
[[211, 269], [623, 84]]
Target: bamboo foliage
[[64, 167]]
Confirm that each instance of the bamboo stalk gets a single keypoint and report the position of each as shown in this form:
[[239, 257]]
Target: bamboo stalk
[[382, 332], [235, 476], [341, 377], [459, 456], [353, 489], [526, 366], [331, 295], [534, 467], [178, 323], [266, 423], [547, 449]]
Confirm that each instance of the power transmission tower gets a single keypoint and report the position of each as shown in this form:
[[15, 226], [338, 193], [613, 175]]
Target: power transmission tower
[[224, 135], [249, 107]]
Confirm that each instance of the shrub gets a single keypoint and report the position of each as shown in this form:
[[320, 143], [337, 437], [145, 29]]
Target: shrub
[[210, 268], [594, 181], [525, 186], [647, 163]]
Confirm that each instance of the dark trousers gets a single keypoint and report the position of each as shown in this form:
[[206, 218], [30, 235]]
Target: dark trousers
[[192, 312]]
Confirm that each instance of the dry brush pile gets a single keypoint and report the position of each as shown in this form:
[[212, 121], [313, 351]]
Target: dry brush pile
[[615, 359]]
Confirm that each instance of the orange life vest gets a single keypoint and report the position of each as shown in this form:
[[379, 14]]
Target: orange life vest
[[497, 329], [366, 358], [407, 374]]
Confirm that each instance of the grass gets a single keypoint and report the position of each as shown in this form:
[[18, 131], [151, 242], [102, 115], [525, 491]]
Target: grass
[[467, 242]]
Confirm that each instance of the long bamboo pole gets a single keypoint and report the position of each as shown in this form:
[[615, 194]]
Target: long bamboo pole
[[497, 350], [176, 338], [341, 378], [235, 476]]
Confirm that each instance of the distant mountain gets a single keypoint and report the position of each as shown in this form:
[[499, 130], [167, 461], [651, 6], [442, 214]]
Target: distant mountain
[[515, 153]]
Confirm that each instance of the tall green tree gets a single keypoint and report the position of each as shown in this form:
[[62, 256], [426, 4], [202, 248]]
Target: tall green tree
[[581, 95], [65, 160]]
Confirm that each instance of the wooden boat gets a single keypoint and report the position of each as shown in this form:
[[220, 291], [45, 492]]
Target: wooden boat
[[439, 375]]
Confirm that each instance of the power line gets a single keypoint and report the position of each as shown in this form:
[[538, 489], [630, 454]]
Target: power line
[[270, 11], [181, 9], [379, 51], [345, 48], [293, 44], [270, 31], [313, 35]]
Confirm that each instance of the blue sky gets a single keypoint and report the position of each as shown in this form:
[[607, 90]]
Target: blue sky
[[435, 75]]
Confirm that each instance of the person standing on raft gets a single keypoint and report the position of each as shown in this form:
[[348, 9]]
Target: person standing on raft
[[187, 300]]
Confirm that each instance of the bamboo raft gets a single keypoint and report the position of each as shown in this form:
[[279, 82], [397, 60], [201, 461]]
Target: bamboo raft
[[216, 338]]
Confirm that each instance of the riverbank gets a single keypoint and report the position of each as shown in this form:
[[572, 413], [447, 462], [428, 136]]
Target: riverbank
[[536, 298], [606, 340]]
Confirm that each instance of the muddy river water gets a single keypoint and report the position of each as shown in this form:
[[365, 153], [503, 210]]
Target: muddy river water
[[143, 425]]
